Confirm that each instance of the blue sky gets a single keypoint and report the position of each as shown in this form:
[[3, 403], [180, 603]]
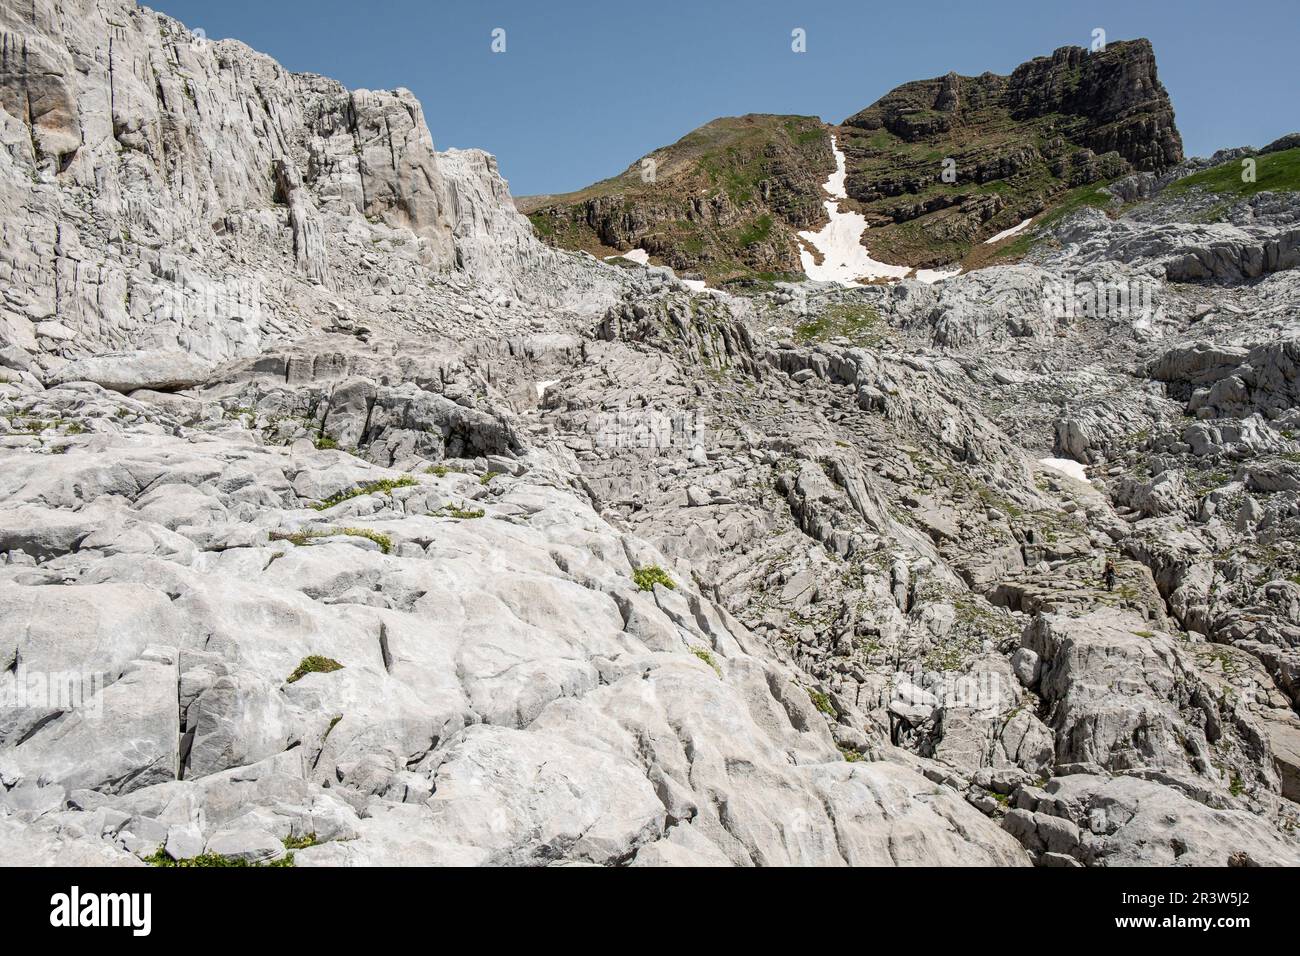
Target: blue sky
[[585, 87]]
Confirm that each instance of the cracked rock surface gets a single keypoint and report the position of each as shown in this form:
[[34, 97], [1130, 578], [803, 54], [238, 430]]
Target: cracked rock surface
[[341, 518]]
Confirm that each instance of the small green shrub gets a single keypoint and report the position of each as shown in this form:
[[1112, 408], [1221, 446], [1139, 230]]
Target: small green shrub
[[299, 843], [646, 578], [385, 485], [315, 664], [487, 478], [325, 443], [822, 702], [160, 858], [300, 538], [707, 657], [464, 514]]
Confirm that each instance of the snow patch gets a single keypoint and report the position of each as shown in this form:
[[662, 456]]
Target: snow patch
[[930, 276], [543, 386], [1066, 465], [639, 256], [1008, 233], [844, 258]]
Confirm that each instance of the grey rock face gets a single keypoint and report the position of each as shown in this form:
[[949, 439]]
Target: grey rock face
[[1103, 822], [336, 510]]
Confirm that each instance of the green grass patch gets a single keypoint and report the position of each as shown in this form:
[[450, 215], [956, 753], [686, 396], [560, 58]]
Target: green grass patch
[[1018, 247], [1069, 201], [860, 324], [1274, 172], [378, 537], [1093, 195], [461, 514], [756, 232], [543, 223], [302, 538], [315, 664], [325, 443], [204, 860]]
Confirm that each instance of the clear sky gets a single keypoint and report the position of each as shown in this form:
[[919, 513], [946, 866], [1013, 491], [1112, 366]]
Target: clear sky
[[585, 87]]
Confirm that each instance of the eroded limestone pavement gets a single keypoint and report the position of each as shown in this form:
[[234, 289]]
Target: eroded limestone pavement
[[332, 507]]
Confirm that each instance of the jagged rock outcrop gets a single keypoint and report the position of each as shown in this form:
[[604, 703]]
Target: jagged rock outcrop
[[162, 190], [309, 249], [504, 692], [1115, 90]]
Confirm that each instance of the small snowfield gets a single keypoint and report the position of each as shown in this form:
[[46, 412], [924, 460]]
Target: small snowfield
[[844, 257]]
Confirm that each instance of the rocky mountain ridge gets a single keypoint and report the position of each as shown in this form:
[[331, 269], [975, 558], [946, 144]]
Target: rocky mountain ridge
[[726, 201], [1017, 146], [345, 523]]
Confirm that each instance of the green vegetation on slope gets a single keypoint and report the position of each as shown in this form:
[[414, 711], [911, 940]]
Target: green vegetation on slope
[[860, 324], [1078, 198], [1274, 172]]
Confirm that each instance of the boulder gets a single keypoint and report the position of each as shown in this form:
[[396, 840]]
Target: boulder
[[160, 371]]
